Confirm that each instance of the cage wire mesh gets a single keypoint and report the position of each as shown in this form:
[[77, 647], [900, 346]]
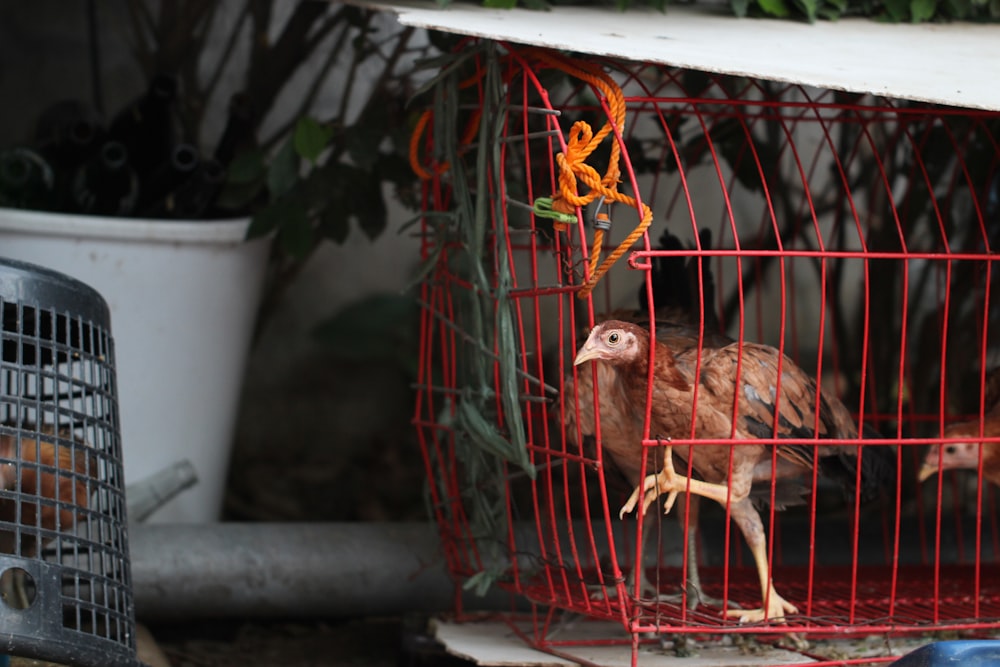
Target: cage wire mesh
[[64, 568], [851, 233]]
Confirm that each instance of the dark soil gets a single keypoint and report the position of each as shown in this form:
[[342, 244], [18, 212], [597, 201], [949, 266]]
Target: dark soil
[[373, 642]]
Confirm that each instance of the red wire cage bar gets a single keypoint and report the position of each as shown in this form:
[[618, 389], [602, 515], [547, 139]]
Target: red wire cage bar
[[852, 233]]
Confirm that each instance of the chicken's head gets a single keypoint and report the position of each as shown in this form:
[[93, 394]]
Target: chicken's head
[[951, 455], [615, 342]]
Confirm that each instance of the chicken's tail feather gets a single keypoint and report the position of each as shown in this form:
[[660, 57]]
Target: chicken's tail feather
[[677, 283], [878, 468], [669, 278]]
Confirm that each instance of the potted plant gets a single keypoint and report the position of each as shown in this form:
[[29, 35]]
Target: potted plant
[[303, 161]]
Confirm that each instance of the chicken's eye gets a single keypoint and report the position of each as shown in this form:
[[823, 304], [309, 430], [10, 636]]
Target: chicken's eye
[[613, 338], [950, 449]]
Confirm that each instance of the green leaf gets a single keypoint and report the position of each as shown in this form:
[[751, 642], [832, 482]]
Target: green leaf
[[897, 10], [334, 224], [283, 173], [365, 137], [395, 169], [427, 266], [264, 222], [960, 9], [774, 7], [740, 7], [363, 199], [484, 432], [295, 234], [311, 138], [236, 196], [922, 10], [480, 582], [246, 167], [809, 8], [500, 4], [284, 216], [324, 188], [371, 212]]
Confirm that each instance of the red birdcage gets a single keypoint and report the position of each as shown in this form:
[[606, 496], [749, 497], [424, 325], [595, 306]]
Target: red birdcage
[[851, 233]]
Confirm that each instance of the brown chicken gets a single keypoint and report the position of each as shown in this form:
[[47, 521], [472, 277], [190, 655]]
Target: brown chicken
[[957, 455], [621, 437], [47, 472], [625, 346], [41, 472]]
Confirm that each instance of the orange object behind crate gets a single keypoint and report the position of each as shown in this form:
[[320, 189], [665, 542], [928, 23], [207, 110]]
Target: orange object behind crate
[[854, 233]]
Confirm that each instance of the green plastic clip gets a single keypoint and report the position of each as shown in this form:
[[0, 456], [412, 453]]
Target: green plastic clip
[[543, 209]]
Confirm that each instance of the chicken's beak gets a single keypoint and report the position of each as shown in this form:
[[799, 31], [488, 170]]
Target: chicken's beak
[[589, 350], [926, 470], [586, 353]]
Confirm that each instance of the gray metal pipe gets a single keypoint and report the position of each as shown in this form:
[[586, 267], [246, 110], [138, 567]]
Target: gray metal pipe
[[291, 570], [250, 570], [256, 570]]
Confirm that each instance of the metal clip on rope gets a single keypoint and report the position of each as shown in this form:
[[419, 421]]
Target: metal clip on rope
[[602, 221]]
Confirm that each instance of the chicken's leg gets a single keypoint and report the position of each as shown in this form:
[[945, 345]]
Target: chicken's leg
[[649, 526], [743, 513], [774, 606], [646, 587], [695, 593]]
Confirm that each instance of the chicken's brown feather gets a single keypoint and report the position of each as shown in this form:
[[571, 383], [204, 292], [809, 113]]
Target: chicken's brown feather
[[43, 470]]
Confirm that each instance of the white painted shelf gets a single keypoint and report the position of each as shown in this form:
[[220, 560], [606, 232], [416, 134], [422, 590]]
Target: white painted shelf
[[957, 64]]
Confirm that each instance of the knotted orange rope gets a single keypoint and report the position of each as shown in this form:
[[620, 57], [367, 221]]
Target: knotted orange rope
[[573, 167]]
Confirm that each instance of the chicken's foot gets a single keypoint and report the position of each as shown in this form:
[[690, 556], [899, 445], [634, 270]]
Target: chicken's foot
[[777, 607], [669, 482]]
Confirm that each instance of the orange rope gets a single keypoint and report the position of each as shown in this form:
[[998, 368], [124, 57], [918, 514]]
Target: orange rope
[[418, 131], [573, 168]]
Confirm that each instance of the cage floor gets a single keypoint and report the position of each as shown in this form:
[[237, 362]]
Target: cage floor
[[913, 599], [507, 641]]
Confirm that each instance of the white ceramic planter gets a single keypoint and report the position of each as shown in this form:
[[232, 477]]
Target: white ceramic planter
[[183, 296]]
